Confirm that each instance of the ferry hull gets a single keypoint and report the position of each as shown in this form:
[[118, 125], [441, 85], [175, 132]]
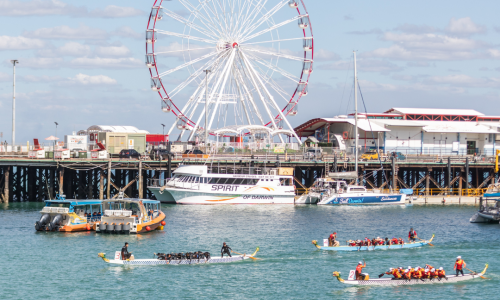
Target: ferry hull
[[382, 199], [162, 196], [182, 196]]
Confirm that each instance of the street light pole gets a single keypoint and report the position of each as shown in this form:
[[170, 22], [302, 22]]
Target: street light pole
[[206, 108], [14, 62], [163, 133], [56, 134]]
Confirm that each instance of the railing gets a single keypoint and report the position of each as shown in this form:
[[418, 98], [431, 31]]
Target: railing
[[442, 192]]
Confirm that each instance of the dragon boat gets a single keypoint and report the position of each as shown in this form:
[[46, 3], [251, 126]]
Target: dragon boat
[[391, 282], [161, 259], [372, 247]]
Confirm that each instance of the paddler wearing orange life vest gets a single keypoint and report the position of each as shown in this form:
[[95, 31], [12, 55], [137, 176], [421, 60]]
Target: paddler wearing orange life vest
[[359, 269], [441, 273], [459, 265], [395, 273]]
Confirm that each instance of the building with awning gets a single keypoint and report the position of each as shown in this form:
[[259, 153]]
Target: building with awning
[[410, 130]]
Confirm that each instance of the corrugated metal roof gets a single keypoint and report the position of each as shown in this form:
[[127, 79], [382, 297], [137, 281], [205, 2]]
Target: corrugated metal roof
[[118, 129], [463, 127], [363, 124], [390, 122], [434, 111]]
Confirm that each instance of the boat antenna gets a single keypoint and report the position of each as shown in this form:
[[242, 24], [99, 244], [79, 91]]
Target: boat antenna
[[355, 119]]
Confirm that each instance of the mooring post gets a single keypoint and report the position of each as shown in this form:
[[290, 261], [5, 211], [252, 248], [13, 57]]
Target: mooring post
[[140, 181], [6, 185], [108, 182], [467, 175], [61, 180], [393, 167], [101, 184]]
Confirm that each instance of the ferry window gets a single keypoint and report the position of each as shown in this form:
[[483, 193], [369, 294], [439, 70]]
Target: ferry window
[[285, 181], [238, 181], [253, 181], [197, 179], [213, 180], [230, 180], [221, 180], [267, 179]]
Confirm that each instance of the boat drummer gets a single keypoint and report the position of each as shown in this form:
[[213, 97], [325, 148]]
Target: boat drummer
[[125, 254], [412, 235], [332, 240], [225, 249], [359, 269]]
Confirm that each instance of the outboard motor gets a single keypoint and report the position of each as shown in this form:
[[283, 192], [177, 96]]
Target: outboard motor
[[110, 228], [126, 228], [44, 220], [56, 222]]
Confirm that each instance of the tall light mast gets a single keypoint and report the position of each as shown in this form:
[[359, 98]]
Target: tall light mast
[[355, 118], [14, 62]]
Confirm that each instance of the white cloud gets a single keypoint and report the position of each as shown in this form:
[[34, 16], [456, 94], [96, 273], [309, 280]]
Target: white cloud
[[20, 43], [41, 63], [126, 31], [68, 49], [65, 32], [113, 11], [400, 53], [5, 77], [83, 79], [55, 7], [461, 80], [411, 28], [105, 63], [494, 53], [431, 41], [112, 51], [325, 55], [464, 26], [366, 65], [43, 78]]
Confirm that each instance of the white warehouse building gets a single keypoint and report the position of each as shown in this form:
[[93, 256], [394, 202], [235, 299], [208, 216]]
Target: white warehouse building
[[410, 131]]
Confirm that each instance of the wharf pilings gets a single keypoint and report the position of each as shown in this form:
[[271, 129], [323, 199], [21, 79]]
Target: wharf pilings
[[23, 179]]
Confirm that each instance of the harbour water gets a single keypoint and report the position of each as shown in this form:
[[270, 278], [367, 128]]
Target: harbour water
[[57, 265]]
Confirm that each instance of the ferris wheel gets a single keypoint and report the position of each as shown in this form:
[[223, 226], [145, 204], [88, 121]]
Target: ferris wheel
[[229, 62]]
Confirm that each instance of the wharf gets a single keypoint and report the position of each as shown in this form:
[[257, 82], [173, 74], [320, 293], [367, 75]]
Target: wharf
[[23, 179]]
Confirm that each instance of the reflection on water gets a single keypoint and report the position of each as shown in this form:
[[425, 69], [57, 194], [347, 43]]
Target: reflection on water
[[45, 264]]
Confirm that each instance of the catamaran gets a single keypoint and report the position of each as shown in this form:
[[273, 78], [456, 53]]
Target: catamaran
[[193, 184]]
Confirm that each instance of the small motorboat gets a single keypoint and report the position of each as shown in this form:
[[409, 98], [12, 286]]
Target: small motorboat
[[391, 282], [177, 259], [69, 215], [489, 206], [372, 247], [130, 216]]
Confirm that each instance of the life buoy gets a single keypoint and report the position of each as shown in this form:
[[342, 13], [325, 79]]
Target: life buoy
[[345, 135]]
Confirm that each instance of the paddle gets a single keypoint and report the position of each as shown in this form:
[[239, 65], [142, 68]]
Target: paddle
[[255, 258], [475, 273], [379, 276], [424, 241]]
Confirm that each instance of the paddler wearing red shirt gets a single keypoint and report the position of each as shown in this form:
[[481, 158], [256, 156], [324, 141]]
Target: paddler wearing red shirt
[[459, 265], [332, 240], [441, 273], [412, 235], [359, 270]]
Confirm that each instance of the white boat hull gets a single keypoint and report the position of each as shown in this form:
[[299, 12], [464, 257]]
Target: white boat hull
[[364, 199], [183, 196], [162, 196], [151, 262]]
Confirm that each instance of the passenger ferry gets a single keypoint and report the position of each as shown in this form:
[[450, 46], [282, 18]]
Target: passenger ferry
[[489, 206], [192, 184], [338, 192], [130, 216], [69, 215]]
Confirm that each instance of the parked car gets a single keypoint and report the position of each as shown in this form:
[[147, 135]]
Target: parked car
[[370, 155], [313, 153], [129, 153], [159, 154], [195, 151]]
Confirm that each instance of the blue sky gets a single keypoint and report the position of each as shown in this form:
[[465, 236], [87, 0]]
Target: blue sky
[[82, 63]]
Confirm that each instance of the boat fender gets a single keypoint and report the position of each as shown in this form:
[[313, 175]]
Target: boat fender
[[118, 227], [102, 227], [110, 227], [163, 223], [56, 222], [148, 228], [44, 220], [87, 227], [126, 227]]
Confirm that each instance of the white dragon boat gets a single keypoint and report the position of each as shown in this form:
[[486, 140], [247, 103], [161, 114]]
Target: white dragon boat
[[162, 260], [391, 282]]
